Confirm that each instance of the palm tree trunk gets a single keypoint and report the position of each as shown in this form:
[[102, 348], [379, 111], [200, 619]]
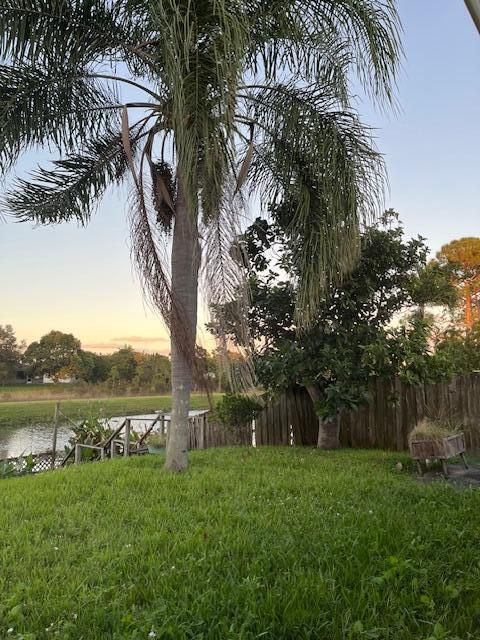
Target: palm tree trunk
[[185, 265]]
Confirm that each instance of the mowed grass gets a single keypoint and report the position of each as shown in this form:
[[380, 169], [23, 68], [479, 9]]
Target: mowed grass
[[269, 543], [13, 413], [30, 392], [19, 392]]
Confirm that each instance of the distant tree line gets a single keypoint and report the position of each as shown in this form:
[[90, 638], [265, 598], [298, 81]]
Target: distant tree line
[[59, 356]]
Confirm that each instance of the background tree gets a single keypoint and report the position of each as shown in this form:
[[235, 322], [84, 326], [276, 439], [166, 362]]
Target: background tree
[[463, 259], [460, 349], [91, 367], [153, 371], [10, 352], [230, 93], [125, 363], [433, 286], [54, 355], [114, 377], [98, 366], [60, 356]]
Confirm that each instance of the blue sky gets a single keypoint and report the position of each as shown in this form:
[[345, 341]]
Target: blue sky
[[432, 147], [80, 279]]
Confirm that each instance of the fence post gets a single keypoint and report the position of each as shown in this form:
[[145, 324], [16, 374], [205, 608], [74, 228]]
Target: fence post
[[56, 419], [204, 431], [126, 439], [78, 453]]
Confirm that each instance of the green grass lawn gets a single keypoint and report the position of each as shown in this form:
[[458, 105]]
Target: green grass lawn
[[269, 543], [42, 410], [32, 392]]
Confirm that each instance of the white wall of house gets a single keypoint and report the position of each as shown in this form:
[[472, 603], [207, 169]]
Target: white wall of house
[[48, 380]]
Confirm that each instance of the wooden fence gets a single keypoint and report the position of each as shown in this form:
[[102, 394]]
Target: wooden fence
[[384, 423], [205, 434]]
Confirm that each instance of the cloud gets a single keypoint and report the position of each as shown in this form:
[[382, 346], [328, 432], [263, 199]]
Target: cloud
[[100, 345], [148, 344], [141, 339]]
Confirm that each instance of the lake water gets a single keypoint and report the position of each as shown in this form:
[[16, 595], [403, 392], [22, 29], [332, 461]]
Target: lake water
[[22, 439], [19, 439], [31, 438]]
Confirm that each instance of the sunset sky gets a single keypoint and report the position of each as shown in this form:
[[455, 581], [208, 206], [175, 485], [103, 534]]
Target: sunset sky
[[80, 280]]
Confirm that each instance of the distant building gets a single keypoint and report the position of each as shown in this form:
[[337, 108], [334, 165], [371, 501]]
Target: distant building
[[47, 380], [22, 377]]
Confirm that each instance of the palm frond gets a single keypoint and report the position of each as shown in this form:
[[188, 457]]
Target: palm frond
[[297, 36], [224, 284], [149, 256], [59, 108], [372, 28], [202, 49], [284, 44], [71, 190], [63, 30], [323, 165]]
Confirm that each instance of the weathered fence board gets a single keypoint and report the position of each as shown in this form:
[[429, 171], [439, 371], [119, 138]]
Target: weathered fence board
[[392, 411], [205, 434]]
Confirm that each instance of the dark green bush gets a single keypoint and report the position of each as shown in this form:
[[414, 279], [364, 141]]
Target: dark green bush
[[236, 410]]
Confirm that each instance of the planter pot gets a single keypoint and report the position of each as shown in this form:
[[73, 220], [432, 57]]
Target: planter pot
[[156, 450], [443, 449]]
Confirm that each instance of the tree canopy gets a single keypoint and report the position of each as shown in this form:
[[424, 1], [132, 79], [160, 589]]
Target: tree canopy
[[53, 355], [10, 352], [350, 340], [270, 79], [462, 257]]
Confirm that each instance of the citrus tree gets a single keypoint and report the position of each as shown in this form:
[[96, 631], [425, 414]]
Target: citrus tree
[[351, 340]]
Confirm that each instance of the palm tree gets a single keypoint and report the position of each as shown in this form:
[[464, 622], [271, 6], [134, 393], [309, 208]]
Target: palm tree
[[224, 98]]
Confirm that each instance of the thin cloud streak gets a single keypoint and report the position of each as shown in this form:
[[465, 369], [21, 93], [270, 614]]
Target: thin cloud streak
[[153, 344], [100, 345], [142, 339]]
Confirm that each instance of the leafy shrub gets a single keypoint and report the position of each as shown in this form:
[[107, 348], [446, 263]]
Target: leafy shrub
[[157, 440], [20, 466], [7, 470], [236, 410], [93, 430]]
